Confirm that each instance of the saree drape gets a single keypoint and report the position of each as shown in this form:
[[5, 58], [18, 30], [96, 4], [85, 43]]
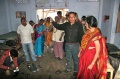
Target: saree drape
[[40, 38], [88, 51], [48, 35]]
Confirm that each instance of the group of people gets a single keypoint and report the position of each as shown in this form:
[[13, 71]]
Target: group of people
[[83, 42], [86, 45], [47, 35]]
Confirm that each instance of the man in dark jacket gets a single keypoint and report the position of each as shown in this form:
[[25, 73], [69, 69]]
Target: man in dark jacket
[[73, 35]]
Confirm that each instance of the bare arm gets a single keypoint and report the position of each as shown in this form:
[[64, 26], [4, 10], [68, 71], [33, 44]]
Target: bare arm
[[79, 52], [97, 46], [32, 35], [19, 39], [62, 34]]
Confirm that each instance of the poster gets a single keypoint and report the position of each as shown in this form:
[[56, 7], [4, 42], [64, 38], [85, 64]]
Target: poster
[[20, 14]]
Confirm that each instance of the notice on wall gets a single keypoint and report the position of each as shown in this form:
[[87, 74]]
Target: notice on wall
[[52, 3], [20, 14]]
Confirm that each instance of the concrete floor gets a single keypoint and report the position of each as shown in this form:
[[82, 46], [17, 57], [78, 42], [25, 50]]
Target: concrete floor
[[47, 65]]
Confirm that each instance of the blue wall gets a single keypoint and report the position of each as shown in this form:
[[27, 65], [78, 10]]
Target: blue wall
[[105, 28], [82, 8], [13, 6], [105, 11], [116, 35], [3, 18], [9, 22], [110, 7]]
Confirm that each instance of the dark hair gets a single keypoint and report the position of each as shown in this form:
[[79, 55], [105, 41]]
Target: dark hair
[[23, 19], [66, 14], [83, 18], [48, 17], [59, 12], [14, 53], [41, 19], [72, 13], [31, 21], [92, 21]]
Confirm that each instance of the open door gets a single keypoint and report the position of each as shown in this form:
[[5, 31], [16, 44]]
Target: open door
[[44, 13]]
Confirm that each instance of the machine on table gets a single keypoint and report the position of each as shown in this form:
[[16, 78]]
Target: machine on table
[[8, 40]]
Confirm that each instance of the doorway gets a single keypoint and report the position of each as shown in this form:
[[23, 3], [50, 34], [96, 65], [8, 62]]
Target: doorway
[[44, 13]]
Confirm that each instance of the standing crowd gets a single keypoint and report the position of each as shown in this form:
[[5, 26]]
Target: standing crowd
[[77, 40]]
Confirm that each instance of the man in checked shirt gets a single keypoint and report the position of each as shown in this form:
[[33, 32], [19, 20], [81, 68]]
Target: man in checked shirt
[[9, 61]]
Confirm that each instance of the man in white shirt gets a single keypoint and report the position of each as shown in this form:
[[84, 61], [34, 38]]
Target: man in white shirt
[[58, 41], [26, 38], [62, 19]]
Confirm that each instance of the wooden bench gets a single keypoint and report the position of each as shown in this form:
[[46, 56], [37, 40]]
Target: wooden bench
[[110, 69]]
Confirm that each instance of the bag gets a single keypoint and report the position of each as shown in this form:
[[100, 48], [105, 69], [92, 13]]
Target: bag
[[10, 43]]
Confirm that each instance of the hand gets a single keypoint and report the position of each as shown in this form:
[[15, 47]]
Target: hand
[[33, 41], [10, 68], [86, 25], [79, 52], [90, 66], [40, 32], [79, 55], [60, 39], [79, 49], [51, 19]]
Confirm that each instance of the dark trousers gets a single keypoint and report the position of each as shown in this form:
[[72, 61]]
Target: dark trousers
[[72, 50], [8, 62]]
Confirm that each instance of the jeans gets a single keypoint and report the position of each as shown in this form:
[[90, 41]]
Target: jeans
[[72, 50], [8, 62], [31, 49]]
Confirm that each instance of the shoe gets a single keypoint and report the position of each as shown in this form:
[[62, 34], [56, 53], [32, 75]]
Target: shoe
[[75, 74], [39, 56], [66, 71], [34, 67], [59, 58], [56, 57], [31, 68], [58, 72]]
